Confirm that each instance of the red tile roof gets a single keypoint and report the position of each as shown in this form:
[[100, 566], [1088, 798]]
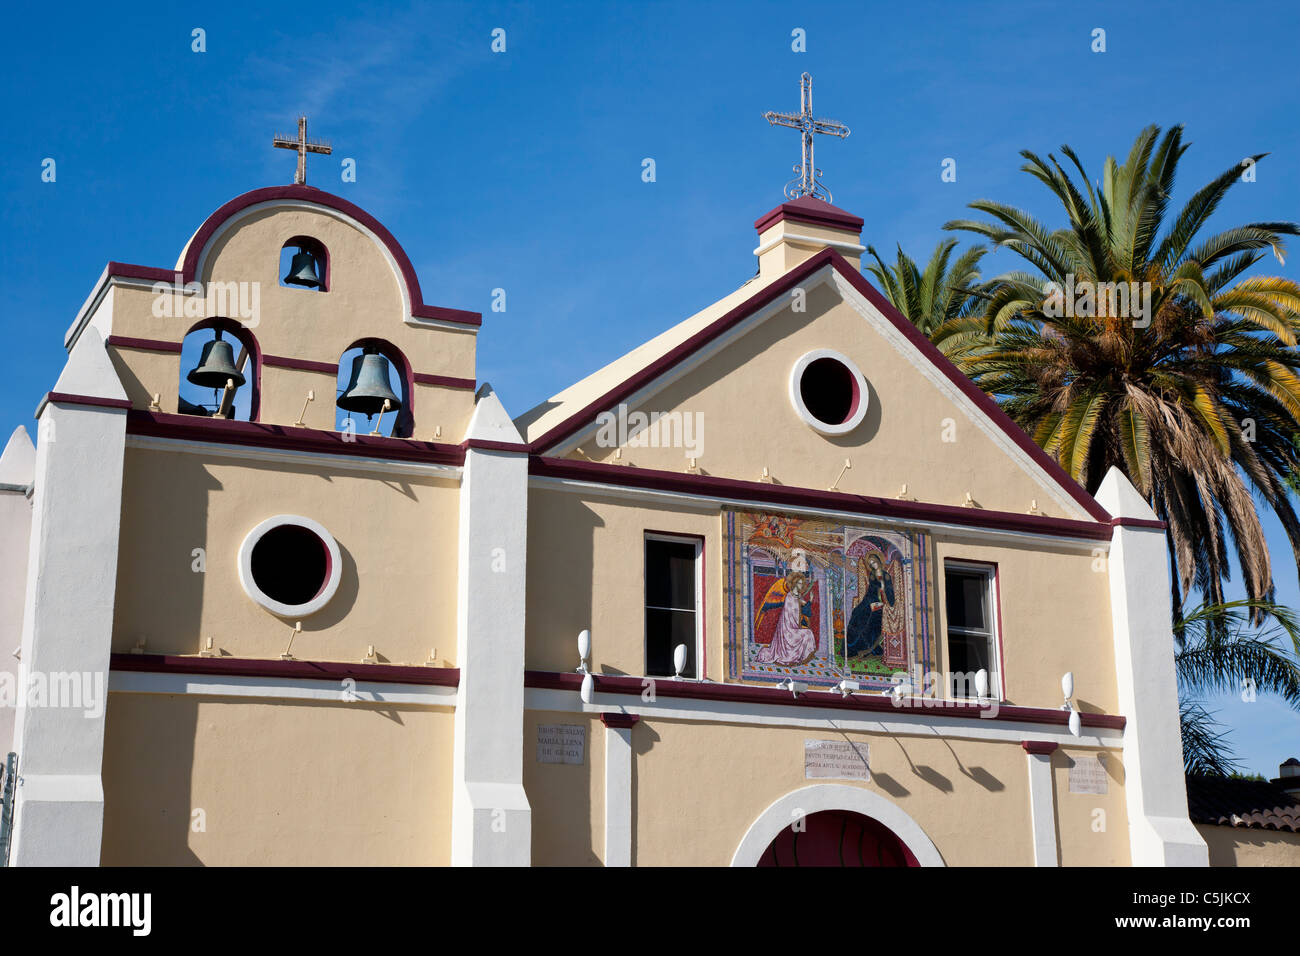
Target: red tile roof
[[1255, 804]]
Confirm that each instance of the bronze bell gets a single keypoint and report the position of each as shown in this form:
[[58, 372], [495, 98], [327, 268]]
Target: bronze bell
[[303, 271], [216, 365], [369, 389]]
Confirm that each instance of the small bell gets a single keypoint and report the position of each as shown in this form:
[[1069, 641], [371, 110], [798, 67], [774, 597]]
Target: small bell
[[303, 271], [368, 389], [216, 365]]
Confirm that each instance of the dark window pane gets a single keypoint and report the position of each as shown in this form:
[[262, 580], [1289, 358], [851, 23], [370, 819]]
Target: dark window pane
[[966, 598], [669, 574], [664, 630]]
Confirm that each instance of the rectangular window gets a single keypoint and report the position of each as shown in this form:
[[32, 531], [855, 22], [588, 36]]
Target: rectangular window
[[672, 611], [972, 627]]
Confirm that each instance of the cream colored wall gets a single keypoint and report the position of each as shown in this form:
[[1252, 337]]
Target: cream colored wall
[[397, 536], [586, 570], [592, 576], [1240, 846], [282, 783], [1055, 617], [567, 800], [1091, 828], [742, 397], [699, 786], [364, 300]]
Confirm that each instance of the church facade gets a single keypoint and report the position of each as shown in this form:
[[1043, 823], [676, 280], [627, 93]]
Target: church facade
[[779, 586]]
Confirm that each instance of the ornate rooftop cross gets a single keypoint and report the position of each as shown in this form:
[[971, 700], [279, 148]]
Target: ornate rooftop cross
[[303, 146], [809, 181]]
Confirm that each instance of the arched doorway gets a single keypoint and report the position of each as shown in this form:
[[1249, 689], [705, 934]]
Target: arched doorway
[[829, 798], [837, 838]]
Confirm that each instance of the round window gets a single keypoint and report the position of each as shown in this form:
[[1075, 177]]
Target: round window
[[828, 392], [290, 565]]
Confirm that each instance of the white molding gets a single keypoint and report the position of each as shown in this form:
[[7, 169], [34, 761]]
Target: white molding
[[709, 503], [796, 393], [915, 721], [853, 247], [297, 458], [833, 796], [281, 688], [618, 796], [334, 574], [960, 399], [1042, 809]]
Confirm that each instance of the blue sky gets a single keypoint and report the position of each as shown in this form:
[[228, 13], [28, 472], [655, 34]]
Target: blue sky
[[522, 170]]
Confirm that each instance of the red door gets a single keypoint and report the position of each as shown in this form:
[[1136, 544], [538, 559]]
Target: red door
[[837, 838]]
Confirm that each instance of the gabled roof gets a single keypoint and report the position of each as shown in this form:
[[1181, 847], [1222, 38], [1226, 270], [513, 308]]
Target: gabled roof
[[1250, 804], [551, 424]]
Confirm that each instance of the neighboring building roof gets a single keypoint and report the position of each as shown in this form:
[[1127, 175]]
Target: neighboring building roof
[[1253, 804]]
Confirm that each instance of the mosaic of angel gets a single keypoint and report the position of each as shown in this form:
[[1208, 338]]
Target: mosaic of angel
[[784, 622]]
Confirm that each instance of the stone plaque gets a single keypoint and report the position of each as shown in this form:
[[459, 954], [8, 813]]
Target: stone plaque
[[835, 760], [561, 743], [1087, 775]]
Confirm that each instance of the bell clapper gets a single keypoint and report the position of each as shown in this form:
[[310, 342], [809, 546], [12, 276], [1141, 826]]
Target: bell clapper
[[379, 419], [311, 397]]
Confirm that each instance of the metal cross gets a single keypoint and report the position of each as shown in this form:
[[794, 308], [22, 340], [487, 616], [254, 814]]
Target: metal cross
[[303, 146], [809, 181]]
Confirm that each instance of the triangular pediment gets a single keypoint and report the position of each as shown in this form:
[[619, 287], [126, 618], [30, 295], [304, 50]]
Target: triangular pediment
[[724, 398]]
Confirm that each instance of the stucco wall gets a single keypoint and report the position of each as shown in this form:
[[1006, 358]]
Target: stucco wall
[[285, 783], [567, 800], [1242, 846], [741, 400], [396, 535], [593, 578]]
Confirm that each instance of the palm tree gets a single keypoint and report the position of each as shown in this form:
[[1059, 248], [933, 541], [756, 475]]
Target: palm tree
[[1216, 651], [940, 294], [1186, 381]]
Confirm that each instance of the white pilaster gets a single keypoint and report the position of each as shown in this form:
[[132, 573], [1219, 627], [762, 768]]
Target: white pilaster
[[1160, 833], [1042, 801], [491, 818], [17, 471], [68, 614], [618, 788]]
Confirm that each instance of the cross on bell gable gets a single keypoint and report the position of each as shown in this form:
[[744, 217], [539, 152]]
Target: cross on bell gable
[[304, 146]]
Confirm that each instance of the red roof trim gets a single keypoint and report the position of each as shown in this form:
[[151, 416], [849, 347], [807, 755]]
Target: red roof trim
[[142, 345], [711, 486], [618, 721], [1039, 747], [310, 670], [65, 398], [319, 197], [289, 438], [822, 700], [812, 211], [666, 362]]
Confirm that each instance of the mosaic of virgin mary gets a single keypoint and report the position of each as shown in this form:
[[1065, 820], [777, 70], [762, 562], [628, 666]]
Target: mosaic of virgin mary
[[877, 629]]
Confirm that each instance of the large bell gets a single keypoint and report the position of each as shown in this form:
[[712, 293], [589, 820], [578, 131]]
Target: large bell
[[216, 365], [303, 271], [369, 389]]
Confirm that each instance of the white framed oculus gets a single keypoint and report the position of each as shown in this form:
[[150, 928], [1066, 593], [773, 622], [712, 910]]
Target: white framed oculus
[[290, 565], [828, 392]]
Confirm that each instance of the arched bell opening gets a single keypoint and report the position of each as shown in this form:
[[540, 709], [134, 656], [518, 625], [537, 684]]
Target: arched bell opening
[[375, 390], [305, 264], [221, 371]]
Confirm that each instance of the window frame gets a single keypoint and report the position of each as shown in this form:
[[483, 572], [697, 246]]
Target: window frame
[[993, 611], [697, 541]]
